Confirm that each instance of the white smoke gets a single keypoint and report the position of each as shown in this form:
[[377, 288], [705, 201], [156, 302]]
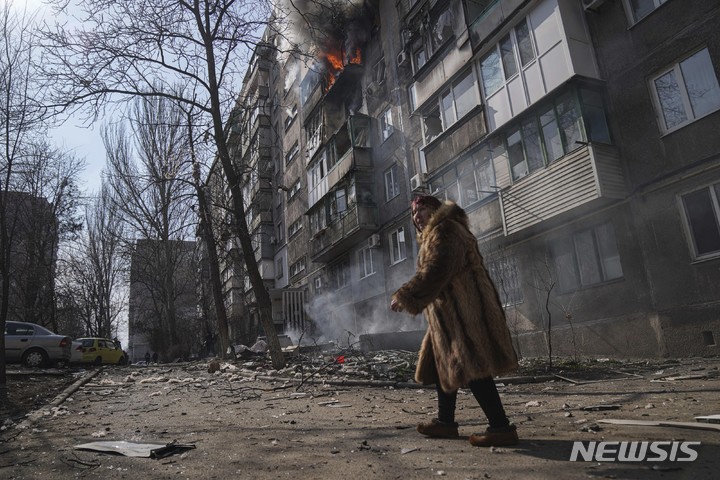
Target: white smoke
[[336, 320]]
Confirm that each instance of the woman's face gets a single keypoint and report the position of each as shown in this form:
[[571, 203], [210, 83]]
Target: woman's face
[[421, 214]]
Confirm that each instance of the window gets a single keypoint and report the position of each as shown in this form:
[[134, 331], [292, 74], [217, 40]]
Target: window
[[460, 99], [552, 131], [293, 190], [472, 179], [338, 204], [297, 267], [379, 71], [386, 124], [452, 105], [292, 153], [291, 114], [295, 227], [398, 250], [515, 51], [506, 276], [435, 27], [313, 132], [639, 9], [318, 219], [687, 91], [365, 259], [392, 184], [279, 270], [588, 257], [702, 212], [280, 235], [340, 274]]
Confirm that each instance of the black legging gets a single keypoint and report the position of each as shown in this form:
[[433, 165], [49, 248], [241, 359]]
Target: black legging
[[487, 396]]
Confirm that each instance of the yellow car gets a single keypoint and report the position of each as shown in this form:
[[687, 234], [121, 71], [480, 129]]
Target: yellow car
[[101, 350]]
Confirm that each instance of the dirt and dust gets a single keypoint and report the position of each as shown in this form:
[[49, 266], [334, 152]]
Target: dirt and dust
[[336, 417]]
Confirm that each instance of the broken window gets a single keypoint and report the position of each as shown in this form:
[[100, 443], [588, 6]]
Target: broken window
[[702, 213], [432, 28]]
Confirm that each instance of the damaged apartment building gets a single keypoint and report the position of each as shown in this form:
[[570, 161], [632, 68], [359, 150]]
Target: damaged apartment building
[[581, 137]]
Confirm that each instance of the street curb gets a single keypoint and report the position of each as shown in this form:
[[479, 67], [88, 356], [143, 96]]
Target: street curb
[[35, 415]]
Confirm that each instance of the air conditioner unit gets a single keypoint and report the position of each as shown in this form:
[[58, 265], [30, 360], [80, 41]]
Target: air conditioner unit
[[592, 5], [273, 240], [415, 182], [373, 88], [374, 241], [402, 58]]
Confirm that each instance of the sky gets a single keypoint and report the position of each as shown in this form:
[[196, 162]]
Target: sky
[[74, 135]]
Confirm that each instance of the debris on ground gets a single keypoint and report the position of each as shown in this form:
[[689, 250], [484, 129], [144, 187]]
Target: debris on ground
[[136, 449]]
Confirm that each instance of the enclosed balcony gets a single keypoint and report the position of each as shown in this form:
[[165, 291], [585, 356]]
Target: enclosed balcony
[[359, 221], [585, 179], [346, 151]]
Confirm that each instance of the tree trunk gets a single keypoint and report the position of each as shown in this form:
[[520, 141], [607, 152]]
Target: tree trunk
[[215, 278]]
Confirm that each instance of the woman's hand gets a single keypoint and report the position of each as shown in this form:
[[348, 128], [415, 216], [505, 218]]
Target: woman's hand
[[395, 305]]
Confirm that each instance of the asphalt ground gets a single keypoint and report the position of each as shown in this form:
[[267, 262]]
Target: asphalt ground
[[246, 424]]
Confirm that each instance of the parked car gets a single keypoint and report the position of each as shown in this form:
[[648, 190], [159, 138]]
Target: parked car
[[76, 352], [35, 346], [101, 350]]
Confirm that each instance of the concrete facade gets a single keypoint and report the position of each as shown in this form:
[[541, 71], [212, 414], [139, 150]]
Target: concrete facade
[[580, 136]]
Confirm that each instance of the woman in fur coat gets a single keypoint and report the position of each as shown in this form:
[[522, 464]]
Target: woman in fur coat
[[467, 341]]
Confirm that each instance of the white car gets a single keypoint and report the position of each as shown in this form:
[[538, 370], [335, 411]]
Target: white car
[[35, 346]]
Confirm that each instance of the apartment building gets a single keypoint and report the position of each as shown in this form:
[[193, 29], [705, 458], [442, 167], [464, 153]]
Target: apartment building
[[579, 135]]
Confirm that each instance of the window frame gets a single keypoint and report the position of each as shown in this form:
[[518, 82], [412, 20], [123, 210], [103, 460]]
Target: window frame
[[387, 127], [439, 186], [295, 227], [292, 153], [395, 238], [631, 14], [504, 76], [676, 69], [714, 189], [392, 185], [365, 254], [556, 245]]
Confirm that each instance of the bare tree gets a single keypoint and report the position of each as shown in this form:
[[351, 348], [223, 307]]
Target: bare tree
[[201, 44], [21, 122], [149, 173], [94, 270]]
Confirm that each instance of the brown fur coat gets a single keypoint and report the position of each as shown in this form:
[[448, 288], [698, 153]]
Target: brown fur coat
[[467, 336]]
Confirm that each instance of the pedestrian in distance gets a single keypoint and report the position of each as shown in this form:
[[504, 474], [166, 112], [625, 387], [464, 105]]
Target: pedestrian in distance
[[155, 357], [467, 341], [147, 358]]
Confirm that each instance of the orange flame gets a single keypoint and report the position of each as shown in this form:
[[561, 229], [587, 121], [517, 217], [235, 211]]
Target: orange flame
[[355, 57], [336, 60]]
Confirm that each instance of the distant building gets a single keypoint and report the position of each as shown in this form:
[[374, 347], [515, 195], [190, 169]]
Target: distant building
[[32, 230], [579, 135], [163, 303]]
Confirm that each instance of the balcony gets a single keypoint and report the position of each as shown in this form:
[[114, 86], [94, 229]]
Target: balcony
[[341, 235], [353, 159], [351, 144], [585, 179]]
